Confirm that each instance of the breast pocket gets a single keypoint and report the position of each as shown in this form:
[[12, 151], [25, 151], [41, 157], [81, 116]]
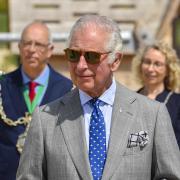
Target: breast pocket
[[135, 150]]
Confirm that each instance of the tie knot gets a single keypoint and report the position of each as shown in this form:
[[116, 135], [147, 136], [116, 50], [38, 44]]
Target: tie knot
[[32, 85], [95, 102]]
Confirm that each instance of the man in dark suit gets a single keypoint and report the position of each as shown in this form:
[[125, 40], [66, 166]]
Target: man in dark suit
[[19, 98], [100, 130]]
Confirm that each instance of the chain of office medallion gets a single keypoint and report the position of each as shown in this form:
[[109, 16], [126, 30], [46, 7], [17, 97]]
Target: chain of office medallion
[[22, 120]]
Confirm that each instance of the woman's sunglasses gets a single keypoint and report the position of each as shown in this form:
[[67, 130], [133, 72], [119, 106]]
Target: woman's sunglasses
[[91, 57]]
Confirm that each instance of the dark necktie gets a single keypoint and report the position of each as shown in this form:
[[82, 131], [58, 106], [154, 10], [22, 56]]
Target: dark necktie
[[32, 92], [97, 141]]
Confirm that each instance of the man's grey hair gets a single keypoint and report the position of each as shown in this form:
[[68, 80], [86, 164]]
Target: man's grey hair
[[114, 43]]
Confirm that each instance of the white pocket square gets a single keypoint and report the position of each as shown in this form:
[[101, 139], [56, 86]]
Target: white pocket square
[[138, 139]]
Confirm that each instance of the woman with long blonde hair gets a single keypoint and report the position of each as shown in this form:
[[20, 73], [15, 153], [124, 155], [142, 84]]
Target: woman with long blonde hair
[[157, 68]]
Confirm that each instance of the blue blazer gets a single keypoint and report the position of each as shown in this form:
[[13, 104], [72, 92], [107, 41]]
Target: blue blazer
[[173, 106], [15, 107]]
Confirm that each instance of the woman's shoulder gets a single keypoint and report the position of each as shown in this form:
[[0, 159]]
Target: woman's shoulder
[[175, 97]]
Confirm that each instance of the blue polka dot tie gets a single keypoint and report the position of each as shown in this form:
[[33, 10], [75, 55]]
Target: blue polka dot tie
[[97, 141]]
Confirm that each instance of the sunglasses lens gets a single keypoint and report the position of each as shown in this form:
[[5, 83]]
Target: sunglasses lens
[[92, 57], [72, 55]]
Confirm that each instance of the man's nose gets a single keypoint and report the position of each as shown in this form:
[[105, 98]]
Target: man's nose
[[32, 47], [82, 62]]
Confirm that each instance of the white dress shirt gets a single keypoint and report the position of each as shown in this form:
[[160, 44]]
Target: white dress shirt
[[107, 100]]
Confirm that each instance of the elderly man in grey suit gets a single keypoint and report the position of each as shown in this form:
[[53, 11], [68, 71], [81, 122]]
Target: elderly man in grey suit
[[100, 130]]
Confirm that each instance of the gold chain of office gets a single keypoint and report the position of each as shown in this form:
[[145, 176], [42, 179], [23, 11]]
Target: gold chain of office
[[20, 121]]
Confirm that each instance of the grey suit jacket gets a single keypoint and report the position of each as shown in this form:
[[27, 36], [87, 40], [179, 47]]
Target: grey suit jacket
[[55, 147]]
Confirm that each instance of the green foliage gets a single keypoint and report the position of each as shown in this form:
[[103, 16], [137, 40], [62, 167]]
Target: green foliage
[[4, 22], [3, 16], [177, 33], [3, 28], [3, 5], [3, 19]]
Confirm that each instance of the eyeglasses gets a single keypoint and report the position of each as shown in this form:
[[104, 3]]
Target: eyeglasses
[[155, 64], [38, 46], [91, 57]]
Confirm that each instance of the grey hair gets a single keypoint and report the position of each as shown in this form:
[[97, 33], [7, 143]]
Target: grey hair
[[50, 39], [114, 43]]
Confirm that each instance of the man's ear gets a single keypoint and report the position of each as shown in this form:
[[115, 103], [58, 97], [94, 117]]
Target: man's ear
[[51, 47], [50, 50], [117, 62]]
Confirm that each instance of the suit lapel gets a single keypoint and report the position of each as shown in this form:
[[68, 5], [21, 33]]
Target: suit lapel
[[122, 117], [74, 135], [14, 88]]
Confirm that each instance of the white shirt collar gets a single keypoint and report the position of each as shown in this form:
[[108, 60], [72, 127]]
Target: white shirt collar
[[107, 97]]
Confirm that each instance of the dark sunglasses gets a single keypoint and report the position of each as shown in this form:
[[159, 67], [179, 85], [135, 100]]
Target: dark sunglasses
[[91, 57]]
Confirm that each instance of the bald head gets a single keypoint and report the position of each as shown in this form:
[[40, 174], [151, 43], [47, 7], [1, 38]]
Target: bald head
[[38, 27], [35, 48]]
